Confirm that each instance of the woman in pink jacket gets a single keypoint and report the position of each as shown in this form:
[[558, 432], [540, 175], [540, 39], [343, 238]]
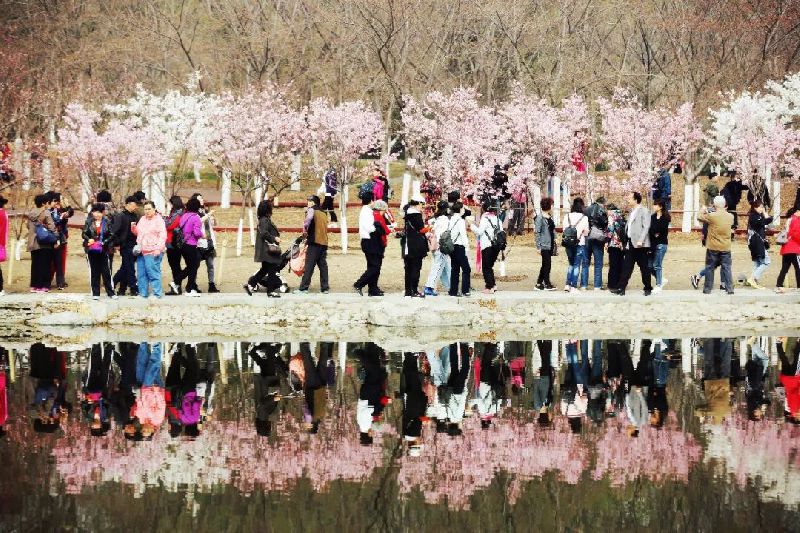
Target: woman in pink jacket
[[151, 238], [790, 252]]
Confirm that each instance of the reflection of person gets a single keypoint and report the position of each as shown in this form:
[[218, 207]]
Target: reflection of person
[[717, 355], [3, 392], [184, 403], [49, 371], [317, 375], [96, 389], [491, 384], [789, 354], [755, 372], [150, 405], [372, 395], [268, 385], [657, 403], [414, 403], [543, 383]]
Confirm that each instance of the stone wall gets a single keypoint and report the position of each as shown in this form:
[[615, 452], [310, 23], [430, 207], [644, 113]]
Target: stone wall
[[505, 316]]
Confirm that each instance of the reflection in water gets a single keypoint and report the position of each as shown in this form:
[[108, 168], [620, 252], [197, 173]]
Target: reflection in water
[[467, 418]]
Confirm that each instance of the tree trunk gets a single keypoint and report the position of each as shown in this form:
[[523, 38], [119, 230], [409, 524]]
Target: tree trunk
[[196, 170], [86, 188], [696, 204], [27, 171], [239, 232], [343, 209], [404, 193], [47, 173], [556, 181], [776, 200], [225, 195], [688, 204], [296, 167]]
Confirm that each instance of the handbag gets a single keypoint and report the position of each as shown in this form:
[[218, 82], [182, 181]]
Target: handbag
[[44, 235], [273, 249], [3, 253], [783, 236], [202, 244], [297, 263], [596, 234]]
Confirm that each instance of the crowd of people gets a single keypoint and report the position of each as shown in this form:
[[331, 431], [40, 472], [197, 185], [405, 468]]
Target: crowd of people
[[630, 235], [141, 389]]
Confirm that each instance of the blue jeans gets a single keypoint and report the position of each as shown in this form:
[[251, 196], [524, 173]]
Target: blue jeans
[[656, 262], [148, 270], [575, 257], [594, 252], [126, 275], [759, 266], [578, 368], [660, 367], [148, 365], [440, 270]]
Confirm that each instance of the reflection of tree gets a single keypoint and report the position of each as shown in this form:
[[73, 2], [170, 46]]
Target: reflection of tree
[[762, 452], [453, 469], [657, 454], [224, 453]]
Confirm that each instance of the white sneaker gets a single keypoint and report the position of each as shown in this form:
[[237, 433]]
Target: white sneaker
[[193, 294], [2, 293], [573, 289], [664, 281], [598, 289], [95, 297], [114, 297], [658, 288], [567, 288]]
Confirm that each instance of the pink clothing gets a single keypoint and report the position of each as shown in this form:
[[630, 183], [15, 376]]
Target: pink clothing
[[151, 235], [190, 408], [150, 406], [192, 228], [792, 246], [3, 234]]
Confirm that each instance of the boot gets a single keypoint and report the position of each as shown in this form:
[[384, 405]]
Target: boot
[[212, 288]]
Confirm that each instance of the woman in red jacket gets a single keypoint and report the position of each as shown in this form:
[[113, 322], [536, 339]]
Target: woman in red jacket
[[790, 252]]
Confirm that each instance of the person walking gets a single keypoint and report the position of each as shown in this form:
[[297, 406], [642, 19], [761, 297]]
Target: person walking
[[638, 232], [315, 230], [595, 243], [414, 246], [3, 238], [459, 264], [659, 241], [617, 243], [790, 251], [576, 228], [207, 253], [718, 245], [757, 222], [151, 239], [440, 263], [380, 238], [366, 226], [268, 253], [125, 277], [191, 227], [732, 192], [174, 243], [96, 238], [42, 243], [545, 230], [486, 233]]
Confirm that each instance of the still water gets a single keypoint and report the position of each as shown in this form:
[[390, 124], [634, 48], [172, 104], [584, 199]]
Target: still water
[[656, 434]]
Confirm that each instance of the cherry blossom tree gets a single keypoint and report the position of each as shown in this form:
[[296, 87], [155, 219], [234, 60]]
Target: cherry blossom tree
[[340, 134], [456, 139], [637, 141]]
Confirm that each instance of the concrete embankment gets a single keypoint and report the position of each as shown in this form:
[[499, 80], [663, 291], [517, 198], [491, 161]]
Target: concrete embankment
[[67, 318]]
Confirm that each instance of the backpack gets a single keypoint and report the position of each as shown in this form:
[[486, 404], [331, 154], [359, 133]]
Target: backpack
[[569, 237], [44, 236], [500, 240], [377, 189], [446, 244], [177, 235], [366, 188], [619, 230]]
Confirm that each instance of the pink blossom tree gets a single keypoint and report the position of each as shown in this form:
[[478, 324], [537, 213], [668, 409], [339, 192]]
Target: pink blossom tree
[[340, 134]]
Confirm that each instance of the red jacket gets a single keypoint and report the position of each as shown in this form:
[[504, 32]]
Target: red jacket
[[792, 246], [791, 386], [379, 218], [171, 227], [3, 228]]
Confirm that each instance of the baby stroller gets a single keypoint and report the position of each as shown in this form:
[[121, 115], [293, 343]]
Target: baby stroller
[[285, 258]]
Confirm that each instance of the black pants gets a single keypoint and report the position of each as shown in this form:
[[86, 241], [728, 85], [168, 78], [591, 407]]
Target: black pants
[[99, 267], [459, 267], [316, 256], [57, 269], [191, 371], [488, 259], [126, 275], [787, 261], [544, 270], [370, 276], [174, 261], [270, 271], [327, 206], [41, 260], [192, 259], [637, 256], [616, 266], [1, 279], [413, 267]]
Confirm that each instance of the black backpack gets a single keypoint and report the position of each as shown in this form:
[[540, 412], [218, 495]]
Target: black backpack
[[500, 240], [446, 244], [569, 237], [177, 236]]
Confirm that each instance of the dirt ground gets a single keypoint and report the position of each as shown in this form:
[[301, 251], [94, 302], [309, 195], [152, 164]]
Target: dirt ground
[[684, 257]]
